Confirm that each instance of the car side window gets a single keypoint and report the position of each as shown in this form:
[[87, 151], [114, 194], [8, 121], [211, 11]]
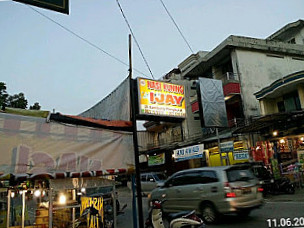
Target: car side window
[[150, 178], [208, 177], [143, 178]]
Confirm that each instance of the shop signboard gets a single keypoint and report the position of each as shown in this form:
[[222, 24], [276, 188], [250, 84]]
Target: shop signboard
[[190, 152], [161, 99], [227, 146], [158, 159], [94, 206], [241, 155]]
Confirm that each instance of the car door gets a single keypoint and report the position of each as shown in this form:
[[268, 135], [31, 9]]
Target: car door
[[191, 188], [150, 183], [197, 186], [168, 193], [143, 181]]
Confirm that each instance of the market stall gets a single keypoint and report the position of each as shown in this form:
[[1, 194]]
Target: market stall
[[53, 168]]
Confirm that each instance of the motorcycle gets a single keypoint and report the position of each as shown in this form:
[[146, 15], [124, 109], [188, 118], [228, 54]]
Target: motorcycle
[[282, 185], [176, 220], [109, 214]]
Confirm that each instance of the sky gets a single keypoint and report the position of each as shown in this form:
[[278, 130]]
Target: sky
[[63, 72]]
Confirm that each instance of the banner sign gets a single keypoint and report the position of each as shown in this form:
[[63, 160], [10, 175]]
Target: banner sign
[[227, 146], [157, 98], [275, 169], [241, 155], [213, 102], [158, 159], [31, 145], [190, 152], [301, 157], [94, 208]]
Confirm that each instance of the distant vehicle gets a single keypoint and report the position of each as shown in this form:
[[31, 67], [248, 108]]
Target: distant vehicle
[[211, 191], [265, 178], [150, 181]]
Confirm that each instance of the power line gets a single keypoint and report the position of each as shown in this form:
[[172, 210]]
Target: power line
[[85, 40], [180, 32], [142, 54]]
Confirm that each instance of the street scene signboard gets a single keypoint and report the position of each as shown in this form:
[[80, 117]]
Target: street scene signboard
[[190, 152], [241, 155], [227, 146], [61, 6], [157, 98], [158, 159]]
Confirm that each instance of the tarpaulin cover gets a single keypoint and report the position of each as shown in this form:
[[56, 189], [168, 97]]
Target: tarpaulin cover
[[116, 106], [31, 145], [213, 103]]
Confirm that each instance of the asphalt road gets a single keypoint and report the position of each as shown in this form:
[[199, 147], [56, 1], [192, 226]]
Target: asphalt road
[[278, 207], [258, 218]]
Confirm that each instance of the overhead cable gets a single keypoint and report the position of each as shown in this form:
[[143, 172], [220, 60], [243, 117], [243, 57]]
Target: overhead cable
[[137, 44], [83, 39], [180, 32]]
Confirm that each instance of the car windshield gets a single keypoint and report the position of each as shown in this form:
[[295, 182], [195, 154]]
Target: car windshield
[[239, 175], [160, 177]]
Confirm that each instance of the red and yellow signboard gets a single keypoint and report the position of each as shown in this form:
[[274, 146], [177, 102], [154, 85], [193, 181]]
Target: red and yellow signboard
[[161, 99]]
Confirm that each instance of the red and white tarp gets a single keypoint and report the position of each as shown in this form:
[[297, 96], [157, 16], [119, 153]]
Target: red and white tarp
[[33, 146]]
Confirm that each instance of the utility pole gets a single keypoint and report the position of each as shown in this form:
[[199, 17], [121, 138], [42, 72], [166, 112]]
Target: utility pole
[[135, 142]]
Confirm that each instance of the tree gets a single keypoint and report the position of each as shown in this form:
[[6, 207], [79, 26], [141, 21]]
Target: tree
[[17, 101], [36, 106], [3, 94]]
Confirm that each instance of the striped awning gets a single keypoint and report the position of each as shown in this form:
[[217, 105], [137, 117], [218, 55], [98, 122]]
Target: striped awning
[[62, 175]]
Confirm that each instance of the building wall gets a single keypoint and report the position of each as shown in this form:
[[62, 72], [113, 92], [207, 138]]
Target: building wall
[[191, 127], [257, 70], [300, 37]]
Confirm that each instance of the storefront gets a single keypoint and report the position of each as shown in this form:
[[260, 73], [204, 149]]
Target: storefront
[[61, 203], [279, 144], [55, 169]]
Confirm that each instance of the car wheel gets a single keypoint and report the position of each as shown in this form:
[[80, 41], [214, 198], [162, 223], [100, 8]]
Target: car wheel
[[209, 214]]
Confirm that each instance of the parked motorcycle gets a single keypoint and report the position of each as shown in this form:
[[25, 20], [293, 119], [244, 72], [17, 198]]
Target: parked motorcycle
[[109, 215], [176, 220], [282, 185]]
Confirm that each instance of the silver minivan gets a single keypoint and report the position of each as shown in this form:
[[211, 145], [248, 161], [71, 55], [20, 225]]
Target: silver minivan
[[211, 191]]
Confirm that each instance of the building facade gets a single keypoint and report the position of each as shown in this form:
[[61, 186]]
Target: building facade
[[245, 66]]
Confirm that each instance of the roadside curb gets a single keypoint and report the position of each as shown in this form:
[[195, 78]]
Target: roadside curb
[[297, 197]]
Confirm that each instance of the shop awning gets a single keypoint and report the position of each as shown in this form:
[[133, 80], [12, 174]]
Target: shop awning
[[48, 176], [277, 120]]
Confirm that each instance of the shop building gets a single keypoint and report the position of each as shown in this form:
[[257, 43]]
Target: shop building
[[245, 65]]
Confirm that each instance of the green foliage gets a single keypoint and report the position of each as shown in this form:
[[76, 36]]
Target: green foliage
[[36, 106], [3, 94], [17, 101], [14, 101]]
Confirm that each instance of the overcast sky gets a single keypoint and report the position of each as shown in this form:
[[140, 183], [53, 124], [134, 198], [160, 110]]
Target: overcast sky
[[62, 72]]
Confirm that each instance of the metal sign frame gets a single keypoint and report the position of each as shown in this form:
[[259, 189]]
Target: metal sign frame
[[61, 6]]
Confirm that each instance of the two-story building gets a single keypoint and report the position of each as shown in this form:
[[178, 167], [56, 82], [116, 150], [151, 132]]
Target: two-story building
[[245, 66]]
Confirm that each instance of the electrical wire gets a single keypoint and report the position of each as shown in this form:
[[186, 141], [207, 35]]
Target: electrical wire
[[85, 40], [137, 44], [180, 32]]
